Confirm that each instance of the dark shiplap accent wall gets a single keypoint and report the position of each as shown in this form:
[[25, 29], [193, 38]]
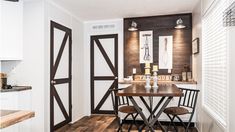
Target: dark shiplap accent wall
[[161, 26]]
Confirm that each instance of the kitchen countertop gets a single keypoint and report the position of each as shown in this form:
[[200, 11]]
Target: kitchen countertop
[[159, 82], [11, 117], [16, 88], [177, 82]]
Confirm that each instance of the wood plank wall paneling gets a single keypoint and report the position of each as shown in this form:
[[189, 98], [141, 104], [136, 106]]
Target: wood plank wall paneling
[[161, 26]]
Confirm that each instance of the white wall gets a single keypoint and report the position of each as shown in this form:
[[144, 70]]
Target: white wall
[[231, 77], [88, 31], [30, 71], [197, 58], [232, 80]]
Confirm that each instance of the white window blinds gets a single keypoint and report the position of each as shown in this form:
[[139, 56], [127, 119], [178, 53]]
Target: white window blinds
[[215, 62]]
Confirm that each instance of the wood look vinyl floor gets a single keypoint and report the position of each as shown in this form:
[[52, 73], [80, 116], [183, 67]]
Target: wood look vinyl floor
[[102, 123]]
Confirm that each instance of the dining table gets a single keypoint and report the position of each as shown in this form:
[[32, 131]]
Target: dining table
[[164, 91]]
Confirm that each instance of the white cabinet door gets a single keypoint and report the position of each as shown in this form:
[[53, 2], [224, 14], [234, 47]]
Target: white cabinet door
[[24, 100], [9, 100], [11, 30], [20, 100]]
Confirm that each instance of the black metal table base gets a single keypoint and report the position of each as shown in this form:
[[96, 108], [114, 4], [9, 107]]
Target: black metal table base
[[153, 118]]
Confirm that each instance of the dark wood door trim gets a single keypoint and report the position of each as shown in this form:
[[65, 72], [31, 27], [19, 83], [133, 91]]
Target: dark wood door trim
[[114, 68], [104, 78], [56, 81]]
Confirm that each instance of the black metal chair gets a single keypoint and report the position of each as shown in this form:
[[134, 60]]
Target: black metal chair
[[186, 105], [121, 104]]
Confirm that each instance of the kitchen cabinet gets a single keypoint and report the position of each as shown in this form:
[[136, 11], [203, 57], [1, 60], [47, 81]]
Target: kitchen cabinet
[[11, 30], [17, 100]]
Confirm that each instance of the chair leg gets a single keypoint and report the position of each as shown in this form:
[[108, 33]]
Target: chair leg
[[169, 123], [190, 119], [124, 119], [176, 129], [119, 124], [131, 123], [142, 127], [172, 122], [159, 124], [134, 122], [185, 127], [129, 129], [120, 127]]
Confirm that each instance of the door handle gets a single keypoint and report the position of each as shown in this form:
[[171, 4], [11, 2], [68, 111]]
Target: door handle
[[116, 78], [53, 82]]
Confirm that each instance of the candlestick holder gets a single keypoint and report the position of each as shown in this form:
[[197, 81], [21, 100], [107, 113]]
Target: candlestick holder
[[155, 79], [147, 86], [147, 75], [133, 76]]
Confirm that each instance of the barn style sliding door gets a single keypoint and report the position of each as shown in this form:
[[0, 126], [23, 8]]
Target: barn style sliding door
[[60, 75], [104, 72]]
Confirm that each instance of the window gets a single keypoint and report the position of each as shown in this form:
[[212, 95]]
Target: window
[[215, 62]]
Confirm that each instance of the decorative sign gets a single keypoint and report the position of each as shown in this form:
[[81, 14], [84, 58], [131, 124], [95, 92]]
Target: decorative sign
[[165, 52], [195, 46], [146, 46]]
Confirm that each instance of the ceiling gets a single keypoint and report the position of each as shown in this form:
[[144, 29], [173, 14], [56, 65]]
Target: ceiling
[[110, 9]]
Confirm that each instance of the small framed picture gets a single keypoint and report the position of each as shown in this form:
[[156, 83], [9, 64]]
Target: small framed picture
[[189, 76], [195, 46], [184, 76]]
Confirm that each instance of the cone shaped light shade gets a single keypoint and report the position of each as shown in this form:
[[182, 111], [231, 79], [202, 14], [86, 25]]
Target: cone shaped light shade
[[133, 26], [179, 24]]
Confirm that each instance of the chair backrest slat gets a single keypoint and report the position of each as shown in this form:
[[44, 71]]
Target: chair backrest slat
[[186, 91], [119, 100], [189, 98], [127, 100], [123, 102], [179, 101], [193, 98]]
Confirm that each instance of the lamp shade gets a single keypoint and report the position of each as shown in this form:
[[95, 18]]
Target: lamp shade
[[133, 26], [179, 24]]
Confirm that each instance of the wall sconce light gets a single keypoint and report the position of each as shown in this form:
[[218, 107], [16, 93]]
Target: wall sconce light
[[179, 24], [133, 26]]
